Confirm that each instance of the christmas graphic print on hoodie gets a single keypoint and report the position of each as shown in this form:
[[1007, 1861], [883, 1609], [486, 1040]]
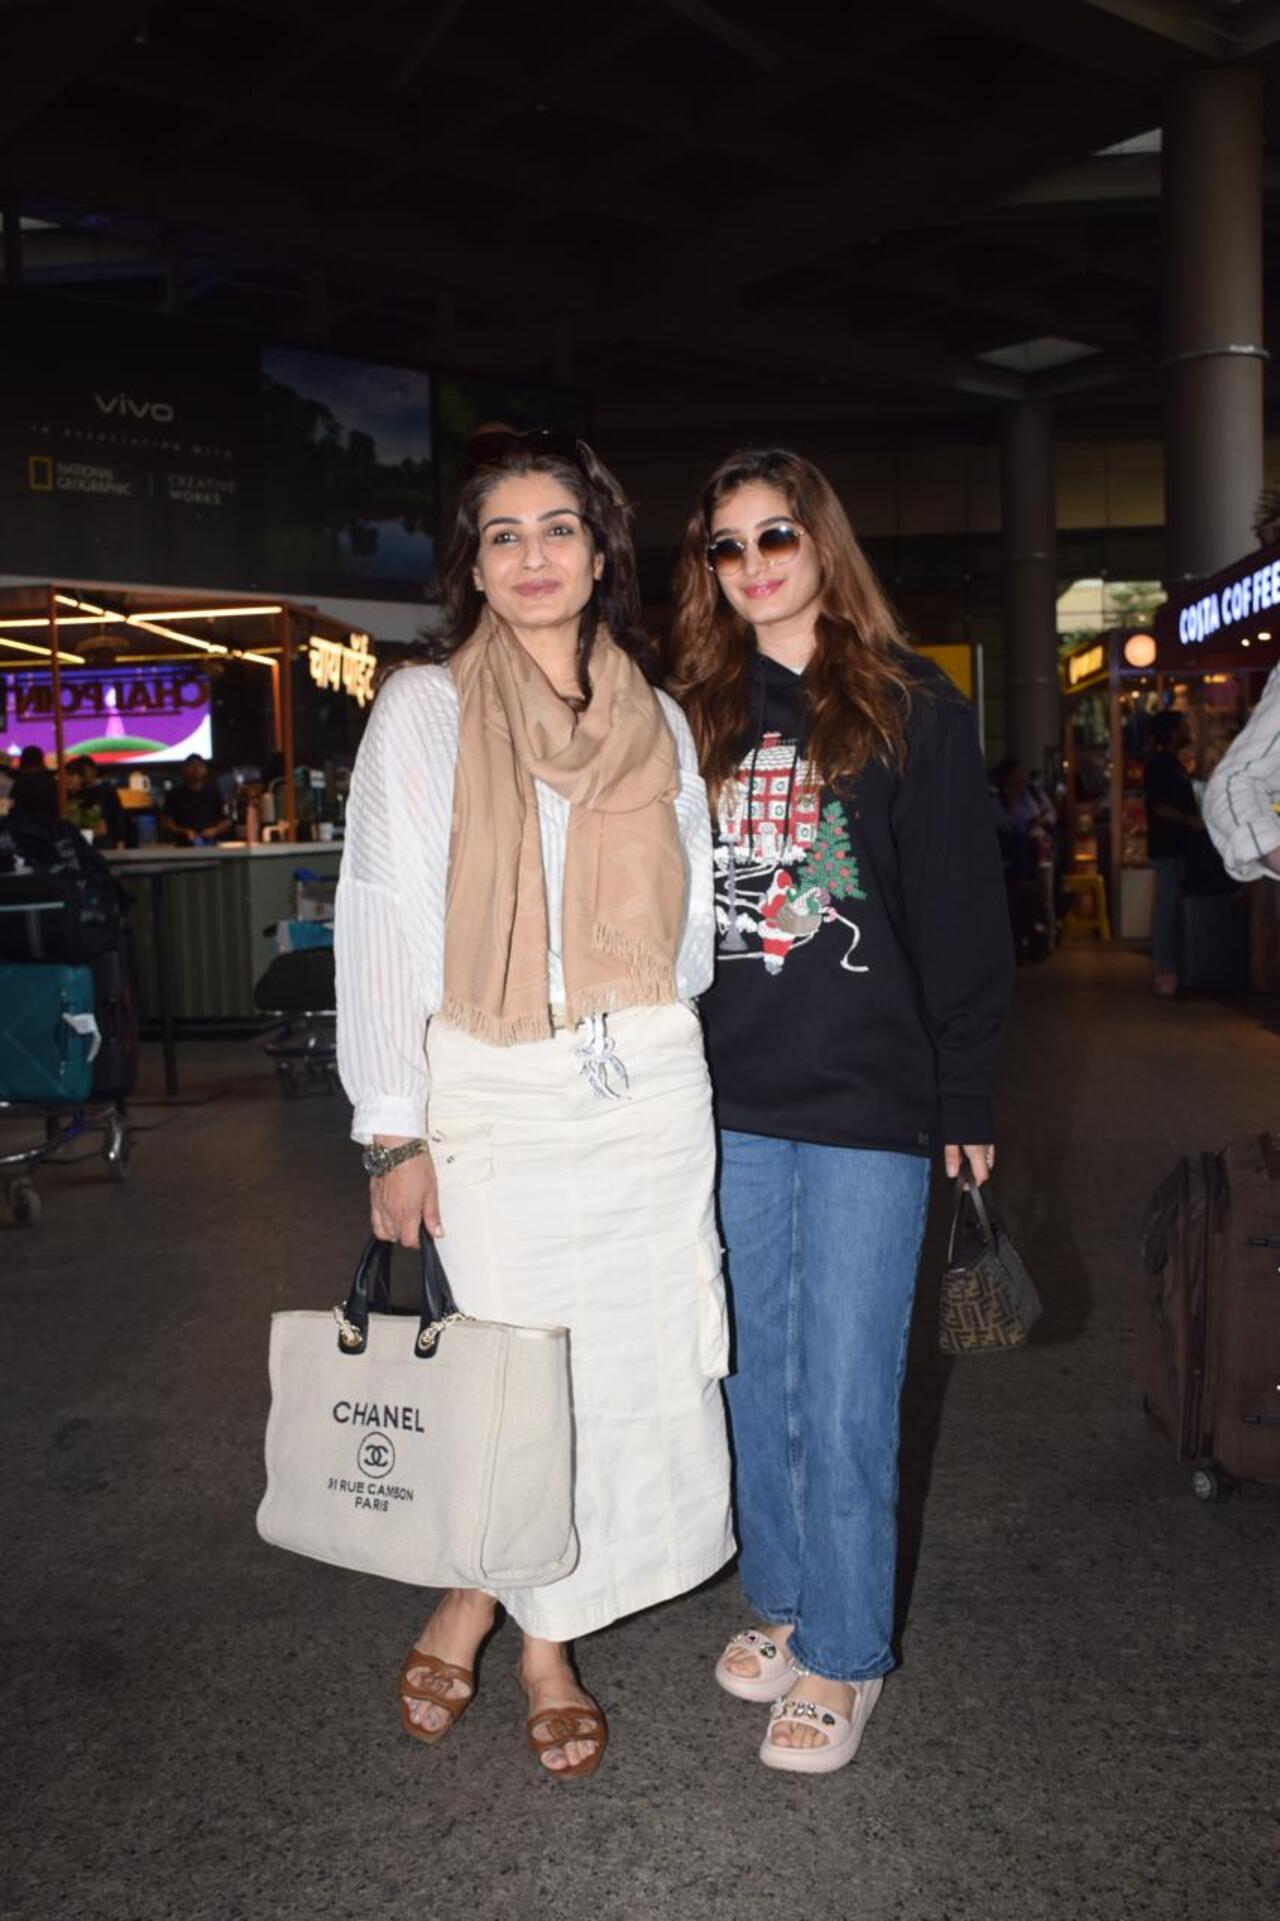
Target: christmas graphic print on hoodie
[[864, 961]]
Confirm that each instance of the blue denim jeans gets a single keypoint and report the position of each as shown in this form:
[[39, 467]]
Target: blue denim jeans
[[823, 1246], [1169, 872]]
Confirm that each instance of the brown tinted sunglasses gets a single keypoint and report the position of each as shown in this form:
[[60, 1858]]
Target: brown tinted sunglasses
[[727, 553]]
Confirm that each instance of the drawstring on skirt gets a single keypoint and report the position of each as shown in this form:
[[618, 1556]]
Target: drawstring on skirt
[[598, 1060]]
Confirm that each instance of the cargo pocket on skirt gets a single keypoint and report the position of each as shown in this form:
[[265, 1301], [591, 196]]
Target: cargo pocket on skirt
[[461, 1149], [714, 1328]]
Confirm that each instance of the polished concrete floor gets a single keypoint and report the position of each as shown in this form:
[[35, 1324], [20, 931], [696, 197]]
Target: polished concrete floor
[[199, 1727]]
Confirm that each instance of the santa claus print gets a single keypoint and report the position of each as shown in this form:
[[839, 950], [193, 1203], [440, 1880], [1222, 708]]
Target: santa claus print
[[784, 861]]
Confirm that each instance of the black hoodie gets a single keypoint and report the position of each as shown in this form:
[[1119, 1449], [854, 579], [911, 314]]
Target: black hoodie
[[864, 962]]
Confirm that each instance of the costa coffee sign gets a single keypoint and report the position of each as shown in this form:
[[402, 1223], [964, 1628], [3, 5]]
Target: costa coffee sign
[[1231, 620]]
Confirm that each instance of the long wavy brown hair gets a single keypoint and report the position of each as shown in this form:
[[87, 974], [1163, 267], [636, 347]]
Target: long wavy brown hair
[[859, 688], [608, 517]]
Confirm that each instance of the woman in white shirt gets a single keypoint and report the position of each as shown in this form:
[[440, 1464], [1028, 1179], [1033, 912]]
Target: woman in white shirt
[[524, 917]]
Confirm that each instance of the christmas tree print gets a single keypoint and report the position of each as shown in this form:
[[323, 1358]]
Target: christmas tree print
[[831, 863]]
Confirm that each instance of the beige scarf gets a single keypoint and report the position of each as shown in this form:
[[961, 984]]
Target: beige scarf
[[624, 881]]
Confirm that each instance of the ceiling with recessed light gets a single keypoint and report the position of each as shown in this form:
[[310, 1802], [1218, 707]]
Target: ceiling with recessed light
[[851, 212]]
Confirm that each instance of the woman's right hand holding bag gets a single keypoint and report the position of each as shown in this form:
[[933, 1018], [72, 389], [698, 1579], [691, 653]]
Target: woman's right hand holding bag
[[407, 1199]]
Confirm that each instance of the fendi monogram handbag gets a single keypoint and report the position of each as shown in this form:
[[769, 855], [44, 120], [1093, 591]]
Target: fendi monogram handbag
[[427, 1447], [988, 1298]]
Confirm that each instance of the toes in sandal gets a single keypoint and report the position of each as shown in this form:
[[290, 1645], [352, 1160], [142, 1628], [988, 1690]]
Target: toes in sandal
[[843, 1732], [432, 1681], [556, 1727], [776, 1673]]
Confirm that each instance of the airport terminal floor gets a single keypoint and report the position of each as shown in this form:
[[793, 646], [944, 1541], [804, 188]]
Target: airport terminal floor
[[203, 1728]]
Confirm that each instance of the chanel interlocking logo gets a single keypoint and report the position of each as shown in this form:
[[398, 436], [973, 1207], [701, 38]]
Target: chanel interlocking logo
[[375, 1455]]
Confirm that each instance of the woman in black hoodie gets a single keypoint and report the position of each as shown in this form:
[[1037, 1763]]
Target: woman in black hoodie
[[863, 978]]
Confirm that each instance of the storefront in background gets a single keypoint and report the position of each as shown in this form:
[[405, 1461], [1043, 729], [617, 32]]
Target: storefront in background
[[276, 691], [1109, 690], [1206, 654], [1217, 643]]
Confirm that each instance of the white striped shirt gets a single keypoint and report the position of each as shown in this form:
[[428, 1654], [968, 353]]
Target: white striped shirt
[[391, 893], [1240, 800]]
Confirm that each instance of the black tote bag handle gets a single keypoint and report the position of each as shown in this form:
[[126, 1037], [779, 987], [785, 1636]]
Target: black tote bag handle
[[969, 1199], [371, 1292]]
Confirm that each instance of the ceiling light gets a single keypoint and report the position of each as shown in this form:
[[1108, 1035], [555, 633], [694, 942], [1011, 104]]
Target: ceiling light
[[216, 613], [1036, 356], [46, 653]]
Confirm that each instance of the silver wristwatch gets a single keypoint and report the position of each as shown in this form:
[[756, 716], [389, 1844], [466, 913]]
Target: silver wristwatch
[[381, 1160]]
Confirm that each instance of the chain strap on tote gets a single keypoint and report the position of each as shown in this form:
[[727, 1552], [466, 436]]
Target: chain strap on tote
[[371, 1290]]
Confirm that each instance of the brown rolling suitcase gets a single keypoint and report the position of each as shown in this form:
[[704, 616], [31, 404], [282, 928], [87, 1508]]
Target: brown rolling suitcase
[[1209, 1314]]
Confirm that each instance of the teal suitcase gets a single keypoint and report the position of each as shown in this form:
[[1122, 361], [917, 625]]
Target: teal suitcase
[[48, 1034]]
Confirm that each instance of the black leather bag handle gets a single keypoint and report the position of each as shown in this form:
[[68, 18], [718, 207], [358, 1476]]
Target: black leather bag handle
[[371, 1293], [969, 1199]]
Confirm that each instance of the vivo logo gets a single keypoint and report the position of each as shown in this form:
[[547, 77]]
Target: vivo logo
[[130, 409]]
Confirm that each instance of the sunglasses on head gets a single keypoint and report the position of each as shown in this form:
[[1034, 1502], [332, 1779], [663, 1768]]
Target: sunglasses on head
[[496, 448], [728, 552]]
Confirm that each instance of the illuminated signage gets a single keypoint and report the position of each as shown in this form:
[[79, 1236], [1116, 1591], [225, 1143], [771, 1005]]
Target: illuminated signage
[[1243, 596], [349, 669], [1082, 666], [119, 713]]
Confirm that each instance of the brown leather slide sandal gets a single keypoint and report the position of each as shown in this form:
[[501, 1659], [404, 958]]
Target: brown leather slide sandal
[[432, 1680], [556, 1727]]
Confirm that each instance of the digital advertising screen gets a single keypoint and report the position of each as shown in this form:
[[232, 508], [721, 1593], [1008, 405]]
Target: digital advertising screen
[[129, 447], [148, 449], [349, 485], [117, 714]]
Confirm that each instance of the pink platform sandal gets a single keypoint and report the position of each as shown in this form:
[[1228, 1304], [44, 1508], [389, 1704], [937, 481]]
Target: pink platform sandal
[[843, 1732], [776, 1672]]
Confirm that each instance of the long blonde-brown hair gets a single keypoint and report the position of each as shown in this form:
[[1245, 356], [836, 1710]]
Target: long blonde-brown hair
[[858, 685]]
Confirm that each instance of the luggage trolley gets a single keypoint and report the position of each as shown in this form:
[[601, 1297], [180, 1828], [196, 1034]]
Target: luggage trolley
[[68, 1009], [298, 990], [62, 1126]]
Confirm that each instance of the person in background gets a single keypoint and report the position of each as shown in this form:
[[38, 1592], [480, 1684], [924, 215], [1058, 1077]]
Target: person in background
[[1172, 821], [854, 1031], [1022, 806], [194, 813], [6, 778], [1243, 795], [93, 803], [1025, 824], [35, 786]]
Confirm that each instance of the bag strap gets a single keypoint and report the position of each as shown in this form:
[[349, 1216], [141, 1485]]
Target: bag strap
[[371, 1293], [969, 1199]]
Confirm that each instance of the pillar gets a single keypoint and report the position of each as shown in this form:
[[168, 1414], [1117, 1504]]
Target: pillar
[[1029, 526], [1214, 356]]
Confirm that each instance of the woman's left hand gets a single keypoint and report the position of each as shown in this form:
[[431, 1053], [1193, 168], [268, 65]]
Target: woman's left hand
[[981, 1160]]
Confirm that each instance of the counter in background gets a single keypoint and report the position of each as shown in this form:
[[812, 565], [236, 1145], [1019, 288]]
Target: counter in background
[[214, 918]]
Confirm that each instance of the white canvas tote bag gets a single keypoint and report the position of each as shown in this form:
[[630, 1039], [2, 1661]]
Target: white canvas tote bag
[[434, 1449]]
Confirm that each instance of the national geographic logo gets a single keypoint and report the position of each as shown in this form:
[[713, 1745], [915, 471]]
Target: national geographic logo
[[375, 1456]]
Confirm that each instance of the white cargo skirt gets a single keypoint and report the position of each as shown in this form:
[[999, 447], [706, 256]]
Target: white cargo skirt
[[561, 1208]]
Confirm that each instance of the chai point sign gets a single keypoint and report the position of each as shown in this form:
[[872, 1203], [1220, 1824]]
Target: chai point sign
[[113, 713]]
